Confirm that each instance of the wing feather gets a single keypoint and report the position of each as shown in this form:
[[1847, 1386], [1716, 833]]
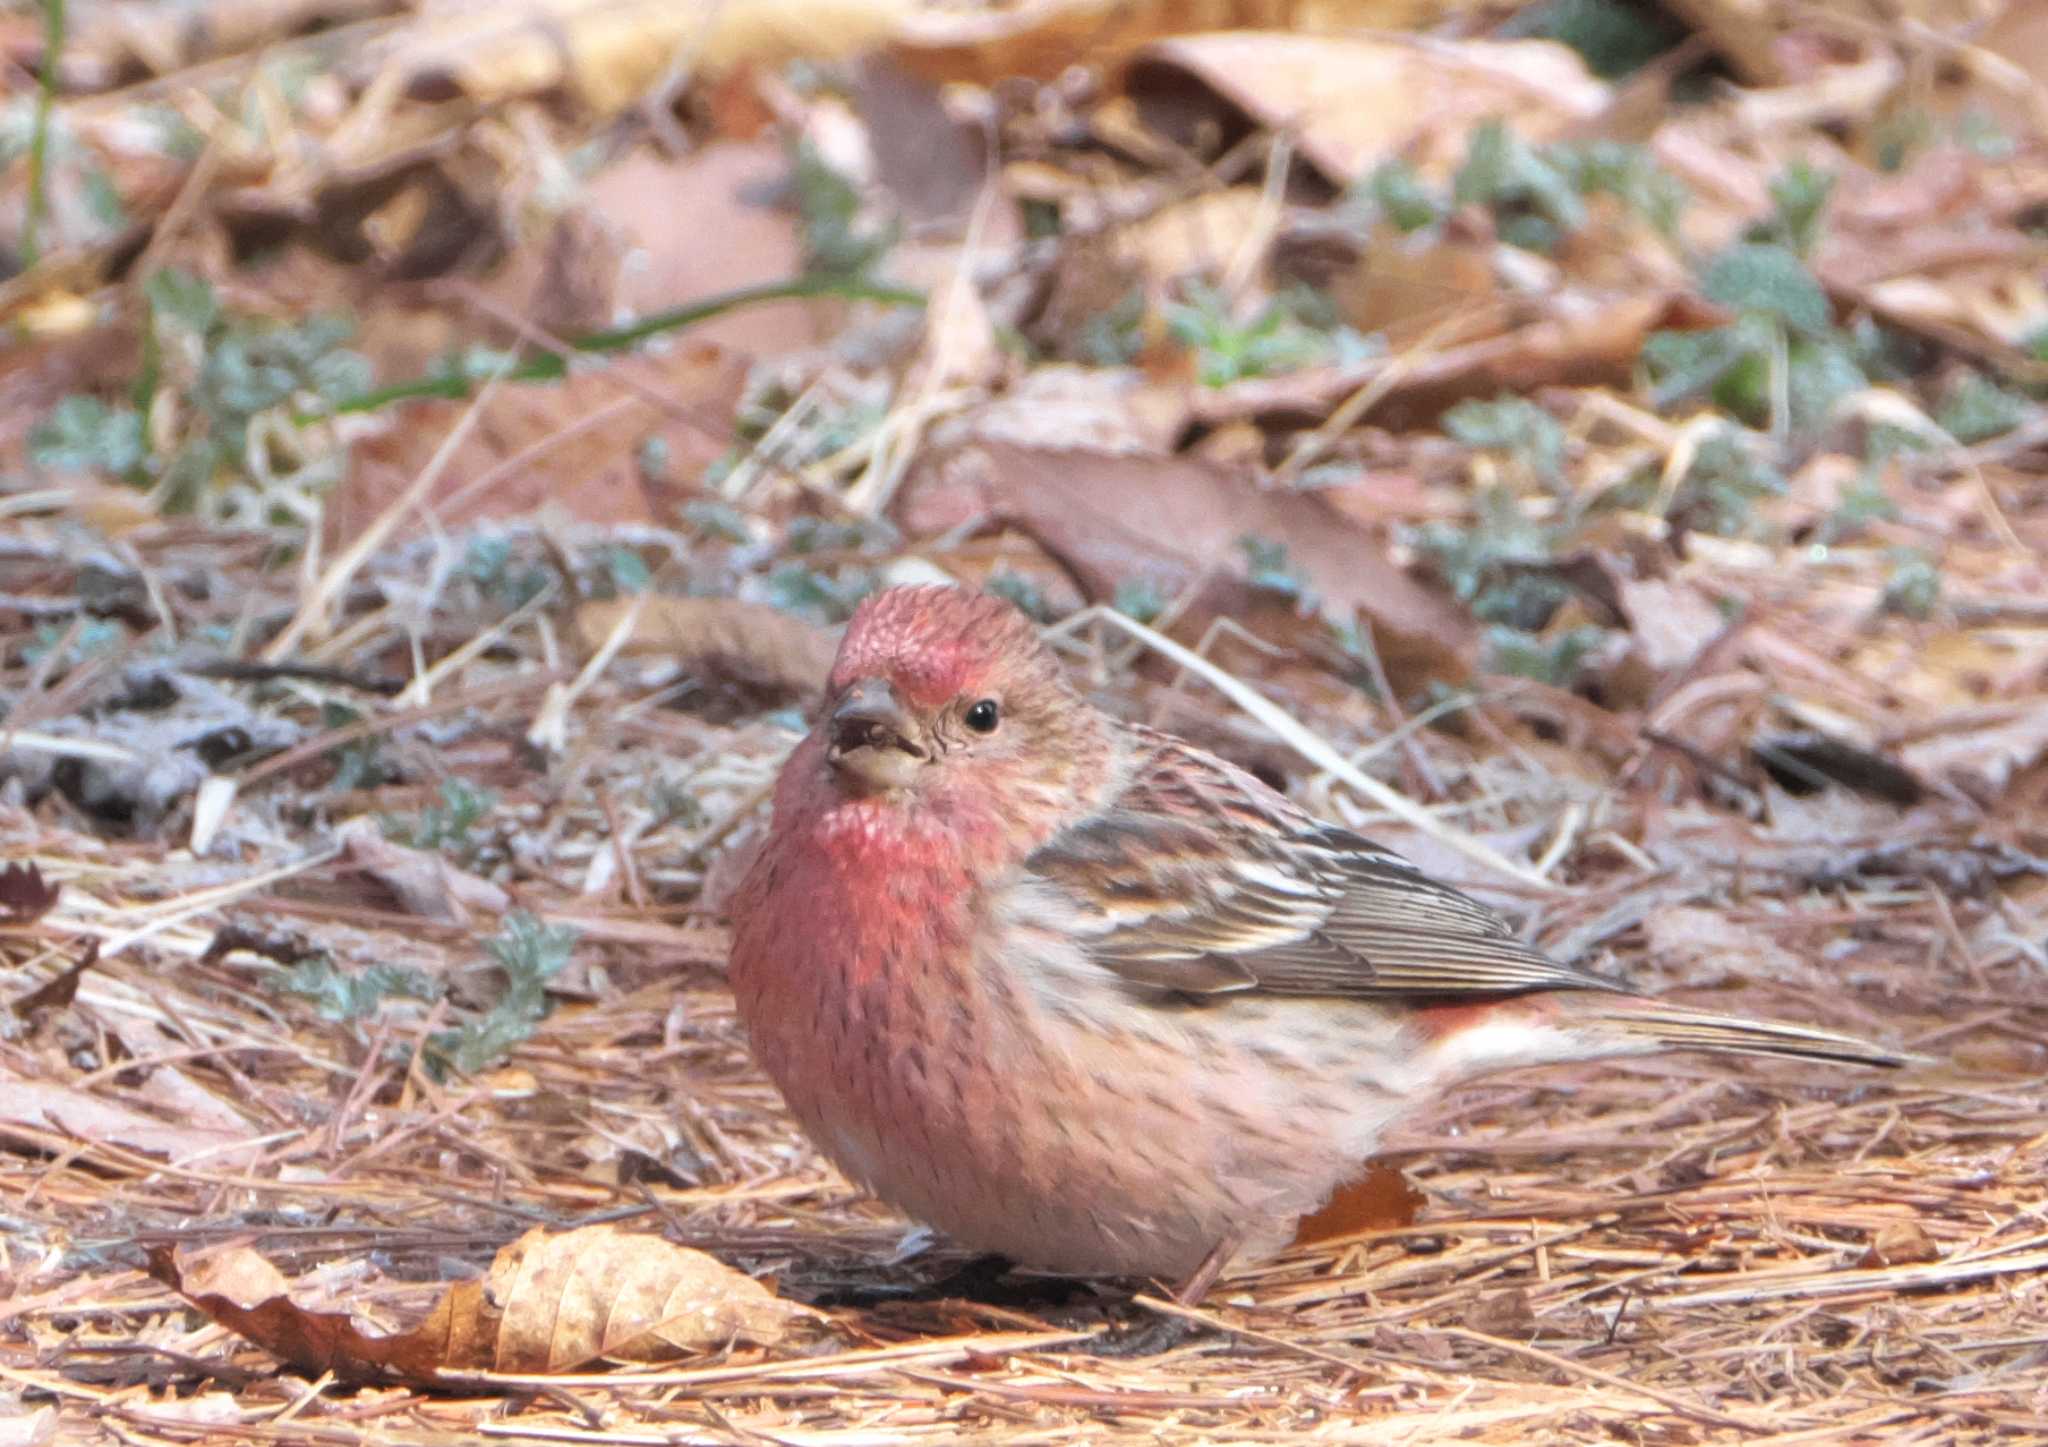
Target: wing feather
[[1199, 879]]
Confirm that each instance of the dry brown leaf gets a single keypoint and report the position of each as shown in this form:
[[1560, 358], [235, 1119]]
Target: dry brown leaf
[[1442, 288], [1670, 621], [1172, 522], [572, 444], [1595, 349], [423, 882], [1195, 237], [608, 53], [1985, 759], [1041, 38], [33, 1111], [1351, 103], [750, 644], [1382, 1199], [604, 1293], [1900, 1243], [551, 1302], [25, 896], [242, 1291], [58, 992], [737, 235]]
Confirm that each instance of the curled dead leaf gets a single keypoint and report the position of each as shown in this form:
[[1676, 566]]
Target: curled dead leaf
[[552, 1302], [600, 1292], [1382, 1199], [1353, 102]]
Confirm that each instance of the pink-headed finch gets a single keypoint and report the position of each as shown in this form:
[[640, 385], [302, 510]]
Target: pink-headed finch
[[1081, 994]]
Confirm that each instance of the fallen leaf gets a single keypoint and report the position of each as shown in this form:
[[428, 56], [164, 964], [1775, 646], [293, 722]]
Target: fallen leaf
[[1599, 348], [30, 1429], [25, 896], [58, 992], [552, 1302], [33, 1111], [422, 881], [985, 45], [603, 1293], [1351, 102], [1670, 621], [573, 444], [1172, 522], [1382, 1199], [610, 52], [1901, 1243], [742, 233], [242, 1291], [1982, 760]]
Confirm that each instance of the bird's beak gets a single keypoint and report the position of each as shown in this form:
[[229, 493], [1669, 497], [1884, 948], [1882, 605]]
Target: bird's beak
[[872, 737]]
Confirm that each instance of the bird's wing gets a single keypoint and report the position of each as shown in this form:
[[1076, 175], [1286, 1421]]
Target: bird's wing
[[1199, 879]]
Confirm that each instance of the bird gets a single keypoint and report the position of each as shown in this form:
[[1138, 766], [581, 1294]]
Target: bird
[[1089, 998]]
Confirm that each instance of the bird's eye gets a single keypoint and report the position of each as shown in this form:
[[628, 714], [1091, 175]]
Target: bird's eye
[[983, 716]]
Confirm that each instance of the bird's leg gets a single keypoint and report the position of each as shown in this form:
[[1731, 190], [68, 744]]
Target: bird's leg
[[1197, 1285], [1164, 1332]]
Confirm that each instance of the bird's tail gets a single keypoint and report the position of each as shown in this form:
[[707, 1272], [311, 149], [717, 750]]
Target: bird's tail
[[1680, 1029]]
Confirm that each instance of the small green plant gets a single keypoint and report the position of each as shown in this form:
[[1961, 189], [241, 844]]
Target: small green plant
[[1114, 336], [1516, 428], [839, 240], [1537, 194], [348, 995], [1292, 330], [1902, 135], [822, 596], [1534, 202], [1555, 660], [1021, 591], [1399, 194], [1719, 492], [1977, 409], [1626, 172], [530, 954], [1784, 324], [675, 802], [357, 765], [1799, 203], [1499, 563], [718, 520], [1979, 132], [208, 377], [84, 434], [1914, 586], [501, 574], [449, 826], [627, 571], [87, 640], [1614, 37], [1140, 599], [1267, 566]]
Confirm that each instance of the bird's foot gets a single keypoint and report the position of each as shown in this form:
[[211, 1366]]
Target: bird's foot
[[1149, 1337]]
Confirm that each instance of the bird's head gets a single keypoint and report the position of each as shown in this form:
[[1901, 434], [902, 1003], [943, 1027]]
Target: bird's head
[[936, 688]]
